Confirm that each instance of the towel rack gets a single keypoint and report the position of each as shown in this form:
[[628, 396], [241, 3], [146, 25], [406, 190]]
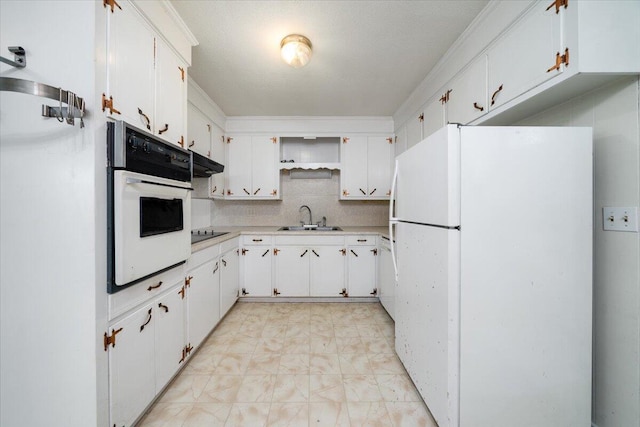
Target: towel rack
[[75, 105]]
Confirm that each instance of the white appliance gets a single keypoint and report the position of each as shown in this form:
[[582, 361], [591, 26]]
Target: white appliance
[[493, 231]]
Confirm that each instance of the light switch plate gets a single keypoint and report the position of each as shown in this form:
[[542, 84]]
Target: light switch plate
[[620, 218]]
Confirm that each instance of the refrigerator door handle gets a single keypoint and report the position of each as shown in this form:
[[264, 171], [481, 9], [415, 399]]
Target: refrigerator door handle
[[393, 220]]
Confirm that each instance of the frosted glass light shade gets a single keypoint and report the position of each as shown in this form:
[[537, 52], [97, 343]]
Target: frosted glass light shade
[[296, 50]]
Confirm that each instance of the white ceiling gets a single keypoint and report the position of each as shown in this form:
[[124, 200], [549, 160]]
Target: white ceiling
[[368, 56]]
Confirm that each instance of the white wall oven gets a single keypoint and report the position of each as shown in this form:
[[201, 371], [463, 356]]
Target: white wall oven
[[149, 205]]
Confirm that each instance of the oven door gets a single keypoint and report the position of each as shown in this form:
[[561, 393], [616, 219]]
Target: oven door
[[151, 225]]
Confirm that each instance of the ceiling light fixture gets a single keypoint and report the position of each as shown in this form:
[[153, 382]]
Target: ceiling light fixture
[[295, 50]]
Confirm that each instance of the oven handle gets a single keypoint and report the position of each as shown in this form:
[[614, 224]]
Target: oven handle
[[142, 181]]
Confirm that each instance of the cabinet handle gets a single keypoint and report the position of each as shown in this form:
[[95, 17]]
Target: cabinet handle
[[265, 253], [152, 287], [304, 253], [375, 292], [477, 107], [353, 252], [257, 240], [214, 189], [146, 118], [245, 190], [166, 128], [148, 320], [164, 307], [216, 269], [224, 263], [256, 192], [493, 97], [362, 240], [181, 292], [373, 191], [363, 192], [315, 253], [192, 143]]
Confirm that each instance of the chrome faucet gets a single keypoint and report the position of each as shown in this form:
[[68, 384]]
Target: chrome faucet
[[310, 217]]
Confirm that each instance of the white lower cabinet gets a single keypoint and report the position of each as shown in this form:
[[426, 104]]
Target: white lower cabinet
[[362, 253], [255, 265], [292, 271], [229, 278], [203, 307], [327, 271], [145, 351], [386, 278]]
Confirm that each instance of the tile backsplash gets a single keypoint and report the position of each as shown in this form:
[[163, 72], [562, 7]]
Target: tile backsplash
[[321, 195]]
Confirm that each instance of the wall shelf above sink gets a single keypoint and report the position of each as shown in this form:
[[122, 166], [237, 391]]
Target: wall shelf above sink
[[309, 153]]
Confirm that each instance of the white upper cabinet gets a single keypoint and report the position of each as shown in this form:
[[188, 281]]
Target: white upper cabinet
[[414, 129], [171, 94], [467, 98], [521, 59], [434, 115], [145, 77], [217, 153], [252, 169], [198, 131], [366, 167], [130, 68]]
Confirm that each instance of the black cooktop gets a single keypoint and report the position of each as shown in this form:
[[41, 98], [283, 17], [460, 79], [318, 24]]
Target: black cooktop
[[205, 234]]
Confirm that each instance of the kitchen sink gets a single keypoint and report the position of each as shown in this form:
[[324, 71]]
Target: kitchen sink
[[301, 228]]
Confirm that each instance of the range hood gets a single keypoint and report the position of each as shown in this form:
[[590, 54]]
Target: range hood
[[204, 167]]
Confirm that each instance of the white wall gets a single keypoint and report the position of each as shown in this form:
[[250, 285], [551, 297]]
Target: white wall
[[52, 225], [613, 112]]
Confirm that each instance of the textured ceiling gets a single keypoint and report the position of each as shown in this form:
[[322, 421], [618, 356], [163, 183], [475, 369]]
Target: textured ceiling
[[368, 56]]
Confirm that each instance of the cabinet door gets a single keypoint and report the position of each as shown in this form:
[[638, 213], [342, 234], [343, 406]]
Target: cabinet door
[[468, 96], [379, 155], [400, 141], [217, 154], [131, 366], [130, 72], [265, 167], [327, 271], [198, 131], [171, 98], [519, 60], [362, 270], [353, 175], [433, 116], [203, 292], [256, 268], [386, 281], [169, 336], [238, 167], [292, 271], [229, 272], [414, 129]]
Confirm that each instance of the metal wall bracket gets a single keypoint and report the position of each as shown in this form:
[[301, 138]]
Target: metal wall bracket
[[19, 57]]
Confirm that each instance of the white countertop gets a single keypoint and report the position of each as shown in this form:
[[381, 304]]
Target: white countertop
[[273, 230]]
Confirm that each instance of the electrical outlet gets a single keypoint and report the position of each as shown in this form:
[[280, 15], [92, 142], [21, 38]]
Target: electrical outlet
[[620, 219]]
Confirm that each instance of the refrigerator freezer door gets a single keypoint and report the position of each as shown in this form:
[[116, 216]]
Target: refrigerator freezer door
[[427, 312], [428, 180]]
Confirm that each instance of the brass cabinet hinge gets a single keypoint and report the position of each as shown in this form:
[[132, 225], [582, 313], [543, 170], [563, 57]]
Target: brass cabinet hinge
[[229, 139], [181, 142], [445, 97], [275, 292], [229, 193], [244, 251], [558, 4], [344, 292], [343, 252], [345, 193], [345, 140], [390, 140], [108, 103], [421, 117], [188, 349], [375, 252], [276, 251], [244, 291], [274, 192], [187, 281], [111, 339], [375, 292], [181, 292], [209, 128], [184, 355], [560, 59], [181, 72], [274, 139], [111, 3]]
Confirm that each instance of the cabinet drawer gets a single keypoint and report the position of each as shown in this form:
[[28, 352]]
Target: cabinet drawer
[[257, 240], [368, 239], [227, 245], [309, 240], [202, 256], [132, 296]]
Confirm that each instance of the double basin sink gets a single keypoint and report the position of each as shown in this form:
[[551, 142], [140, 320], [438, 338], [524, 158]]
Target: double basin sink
[[308, 228]]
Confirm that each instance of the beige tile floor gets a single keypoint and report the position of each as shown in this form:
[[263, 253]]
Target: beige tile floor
[[296, 365]]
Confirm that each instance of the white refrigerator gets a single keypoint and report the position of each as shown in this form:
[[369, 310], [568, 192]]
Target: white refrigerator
[[493, 230]]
